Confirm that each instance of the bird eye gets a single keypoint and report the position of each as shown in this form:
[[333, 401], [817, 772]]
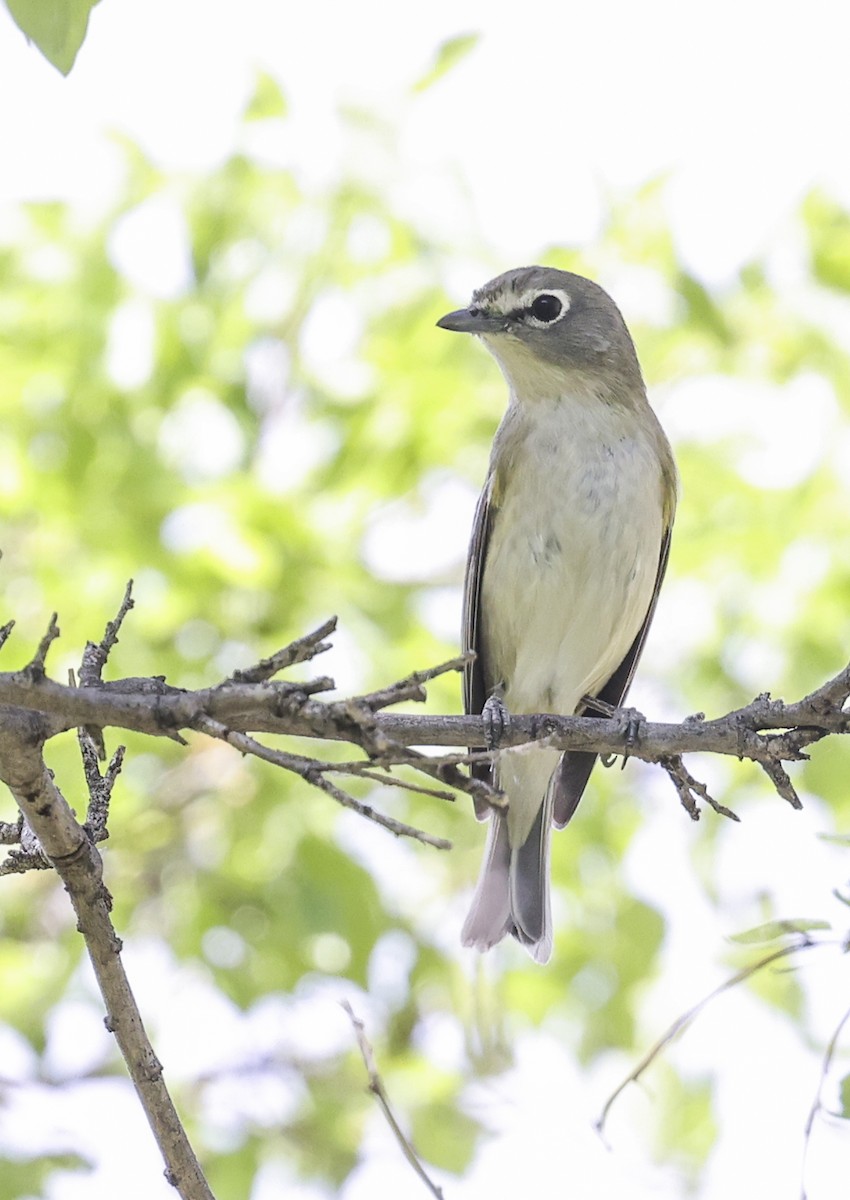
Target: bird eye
[[546, 308]]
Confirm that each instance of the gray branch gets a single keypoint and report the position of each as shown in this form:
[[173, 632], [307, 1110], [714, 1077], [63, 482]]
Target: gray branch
[[69, 849], [35, 708], [766, 731]]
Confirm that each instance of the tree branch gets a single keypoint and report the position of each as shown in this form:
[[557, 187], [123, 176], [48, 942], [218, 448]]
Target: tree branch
[[817, 1103], [376, 1087], [766, 731], [72, 853], [50, 835], [683, 1021], [35, 708], [314, 773]]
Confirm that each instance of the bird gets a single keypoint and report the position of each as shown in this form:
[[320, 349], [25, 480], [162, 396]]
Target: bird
[[567, 554]]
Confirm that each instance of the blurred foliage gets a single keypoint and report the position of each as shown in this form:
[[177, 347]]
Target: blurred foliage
[[448, 55], [232, 391], [58, 27], [21, 1178]]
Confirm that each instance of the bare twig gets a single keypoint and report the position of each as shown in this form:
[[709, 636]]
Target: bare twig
[[410, 688], [10, 832], [94, 659], [301, 650], [363, 771], [35, 668], [376, 1087], [778, 776], [688, 789], [96, 654], [681, 1022], [313, 773], [817, 1103], [99, 786], [27, 855]]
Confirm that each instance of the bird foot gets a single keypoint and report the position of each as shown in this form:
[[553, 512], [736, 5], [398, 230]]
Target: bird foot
[[496, 721], [629, 721]]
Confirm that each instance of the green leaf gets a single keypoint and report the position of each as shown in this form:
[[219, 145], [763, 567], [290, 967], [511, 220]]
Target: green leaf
[[702, 310], [267, 101], [21, 1177], [688, 1124], [448, 55], [772, 930], [444, 1136], [828, 227], [844, 1094], [58, 27]]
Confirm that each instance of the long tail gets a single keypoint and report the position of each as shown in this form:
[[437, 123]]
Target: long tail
[[512, 894]]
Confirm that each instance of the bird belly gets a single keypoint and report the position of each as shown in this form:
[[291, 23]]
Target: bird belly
[[570, 573]]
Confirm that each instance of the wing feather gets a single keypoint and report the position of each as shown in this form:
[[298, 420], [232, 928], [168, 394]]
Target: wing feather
[[476, 683], [573, 771]]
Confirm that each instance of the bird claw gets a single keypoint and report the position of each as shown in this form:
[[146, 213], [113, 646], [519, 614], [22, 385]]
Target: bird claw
[[496, 721], [629, 721]]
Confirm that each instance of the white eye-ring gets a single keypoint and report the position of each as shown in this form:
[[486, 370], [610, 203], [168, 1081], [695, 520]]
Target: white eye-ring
[[546, 306]]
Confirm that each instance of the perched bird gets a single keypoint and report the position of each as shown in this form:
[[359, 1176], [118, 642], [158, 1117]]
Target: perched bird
[[568, 549]]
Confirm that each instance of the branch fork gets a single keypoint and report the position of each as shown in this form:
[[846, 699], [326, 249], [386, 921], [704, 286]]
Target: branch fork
[[35, 708]]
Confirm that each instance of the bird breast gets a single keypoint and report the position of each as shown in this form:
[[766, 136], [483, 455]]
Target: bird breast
[[574, 547]]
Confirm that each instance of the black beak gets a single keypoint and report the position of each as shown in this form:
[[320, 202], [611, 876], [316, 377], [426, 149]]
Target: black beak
[[471, 320]]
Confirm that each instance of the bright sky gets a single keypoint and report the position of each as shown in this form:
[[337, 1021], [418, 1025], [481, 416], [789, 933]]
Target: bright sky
[[745, 106]]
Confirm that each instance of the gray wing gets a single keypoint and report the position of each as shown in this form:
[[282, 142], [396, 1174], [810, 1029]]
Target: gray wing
[[573, 771], [476, 681]]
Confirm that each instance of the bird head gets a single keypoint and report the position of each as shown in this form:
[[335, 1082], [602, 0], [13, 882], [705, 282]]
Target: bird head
[[543, 326]]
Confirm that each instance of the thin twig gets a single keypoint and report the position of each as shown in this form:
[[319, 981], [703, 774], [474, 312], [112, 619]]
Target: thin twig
[[19, 862], [447, 772], [817, 1104], [686, 1018], [688, 788], [10, 832], [27, 856], [311, 772], [780, 779], [96, 654], [301, 650], [410, 688], [363, 771], [376, 1087], [99, 786], [94, 659], [35, 667]]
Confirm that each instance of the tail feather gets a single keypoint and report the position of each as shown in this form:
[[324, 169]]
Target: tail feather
[[512, 894], [489, 917], [531, 908], [568, 784]]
